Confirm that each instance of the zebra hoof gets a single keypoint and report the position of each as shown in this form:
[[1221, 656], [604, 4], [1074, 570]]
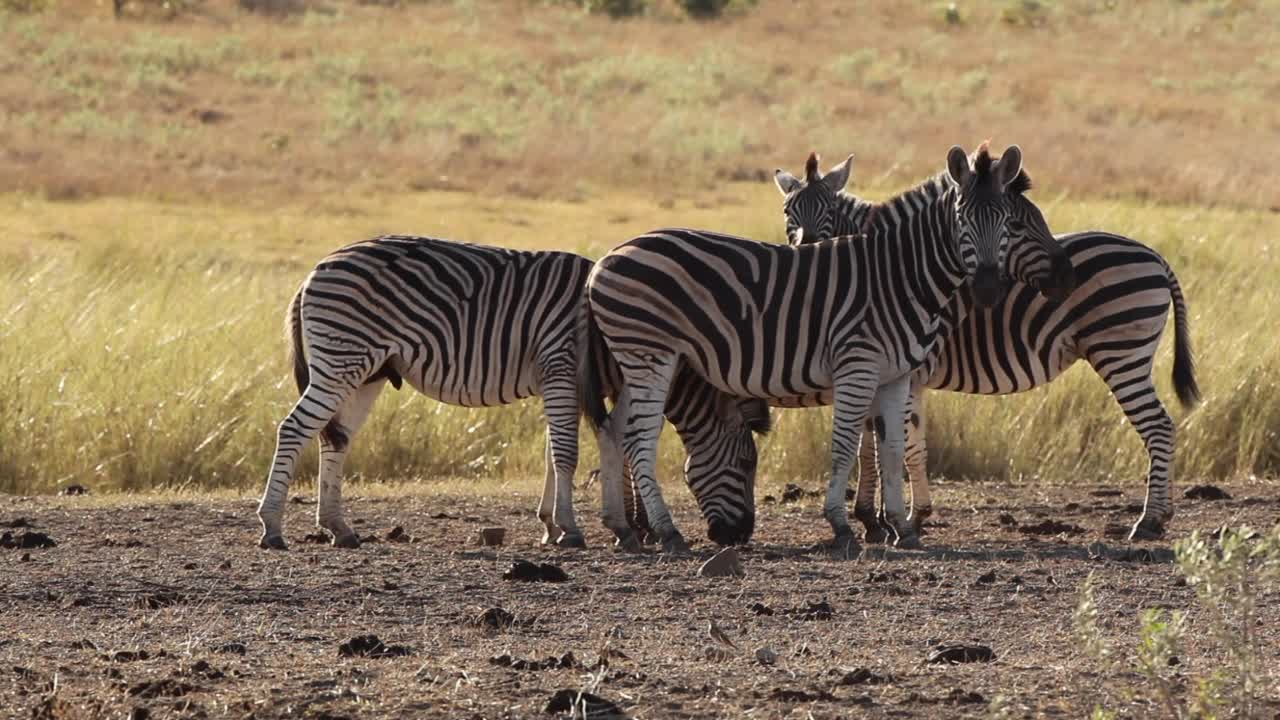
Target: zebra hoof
[[547, 538], [845, 546], [349, 541], [628, 543], [273, 542], [917, 520], [1146, 529], [875, 535], [573, 541], [908, 541], [676, 546], [648, 537]]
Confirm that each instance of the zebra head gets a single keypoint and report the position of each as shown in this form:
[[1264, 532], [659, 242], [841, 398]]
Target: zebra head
[[983, 208], [721, 470], [810, 204], [1036, 257]]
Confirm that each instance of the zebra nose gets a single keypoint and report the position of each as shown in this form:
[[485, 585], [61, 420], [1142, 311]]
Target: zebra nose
[[724, 532], [986, 285]]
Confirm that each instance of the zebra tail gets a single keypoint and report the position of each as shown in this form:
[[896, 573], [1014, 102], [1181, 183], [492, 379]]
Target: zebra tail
[[1184, 364], [591, 352], [293, 341]]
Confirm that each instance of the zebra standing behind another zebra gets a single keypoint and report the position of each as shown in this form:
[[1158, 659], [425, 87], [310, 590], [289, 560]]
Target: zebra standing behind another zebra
[[468, 325], [843, 321], [1114, 320]]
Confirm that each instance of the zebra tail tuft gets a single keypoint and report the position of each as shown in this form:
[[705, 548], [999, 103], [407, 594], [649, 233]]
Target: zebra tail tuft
[[293, 342], [591, 352], [1184, 364]]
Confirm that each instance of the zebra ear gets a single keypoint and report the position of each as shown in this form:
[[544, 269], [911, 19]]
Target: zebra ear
[[958, 165], [1010, 165], [786, 182], [838, 176]]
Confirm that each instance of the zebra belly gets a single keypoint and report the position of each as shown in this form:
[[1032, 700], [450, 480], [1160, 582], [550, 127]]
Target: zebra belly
[[441, 384]]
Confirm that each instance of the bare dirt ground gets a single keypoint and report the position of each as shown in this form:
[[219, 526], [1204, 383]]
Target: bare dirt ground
[[168, 609]]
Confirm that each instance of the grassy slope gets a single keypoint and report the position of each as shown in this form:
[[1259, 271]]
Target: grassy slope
[[1169, 101]]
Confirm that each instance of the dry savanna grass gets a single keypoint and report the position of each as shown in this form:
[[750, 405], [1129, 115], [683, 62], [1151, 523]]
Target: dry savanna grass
[[1162, 101], [153, 355]]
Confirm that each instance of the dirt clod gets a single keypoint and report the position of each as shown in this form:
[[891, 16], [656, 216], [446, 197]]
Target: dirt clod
[[1051, 527], [130, 656], [725, 563], [372, 647], [16, 523], [761, 609], [1007, 520], [232, 648], [74, 489], [581, 704], [864, 676], [812, 611], [318, 537], [1206, 492], [494, 618], [398, 535], [525, 571], [564, 662], [27, 541], [794, 493], [955, 654], [492, 536], [155, 601], [987, 578], [1106, 492], [766, 656], [791, 695]]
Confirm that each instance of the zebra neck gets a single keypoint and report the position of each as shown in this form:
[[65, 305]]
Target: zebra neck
[[918, 227], [851, 214]]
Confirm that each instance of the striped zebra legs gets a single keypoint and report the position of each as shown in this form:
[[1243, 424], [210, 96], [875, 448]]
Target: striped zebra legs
[[877, 448], [917, 458], [646, 383], [335, 439], [320, 402], [1130, 382], [854, 393], [560, 405]]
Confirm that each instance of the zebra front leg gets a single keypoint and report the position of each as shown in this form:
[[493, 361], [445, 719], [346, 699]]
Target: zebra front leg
[[311, 413], [612, 504], [917, 456], [864, 504], [891, 401], [335, 440], [643, 401], [854, 389], [560, 404], [547, 504]]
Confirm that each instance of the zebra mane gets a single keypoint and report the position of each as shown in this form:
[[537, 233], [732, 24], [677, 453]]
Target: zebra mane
[[1020, 185]]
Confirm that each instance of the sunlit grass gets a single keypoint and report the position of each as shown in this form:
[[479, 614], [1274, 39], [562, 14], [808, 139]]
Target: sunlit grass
[[144, 350]]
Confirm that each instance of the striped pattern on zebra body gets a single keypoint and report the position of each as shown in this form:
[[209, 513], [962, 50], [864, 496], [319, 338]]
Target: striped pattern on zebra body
[[1113, 319], [465, 324], [846, 319]]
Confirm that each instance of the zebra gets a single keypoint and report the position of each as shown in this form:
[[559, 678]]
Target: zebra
[[468, 325], [1114, 320], [840, 322]]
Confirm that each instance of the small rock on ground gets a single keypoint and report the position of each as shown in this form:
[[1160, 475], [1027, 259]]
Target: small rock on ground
[[955, 654], [1206, 492], [725, 563]]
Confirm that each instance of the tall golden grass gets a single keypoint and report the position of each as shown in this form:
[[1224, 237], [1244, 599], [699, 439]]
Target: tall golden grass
[[142, 345]]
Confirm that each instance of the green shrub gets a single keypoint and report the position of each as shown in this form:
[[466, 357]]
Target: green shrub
[[25, 6], [704, 8], [616, 8]]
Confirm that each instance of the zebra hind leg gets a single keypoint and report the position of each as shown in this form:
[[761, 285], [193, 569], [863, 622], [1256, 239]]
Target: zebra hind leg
[[335, 441], [547, 505], [917, 456], [642, 402], [636, 517], [309, 415], [560, 405], [1134, 391]]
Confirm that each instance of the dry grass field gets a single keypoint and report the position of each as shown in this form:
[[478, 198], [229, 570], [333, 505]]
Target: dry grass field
[[168, 177]]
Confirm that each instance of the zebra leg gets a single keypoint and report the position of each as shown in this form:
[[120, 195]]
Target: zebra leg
[[855, 388], [917, 456], [891, 401], [864, 504], [335, 439], [643, 400], [547, 504], [560, 404], [636, 516], [1133, 389], [319, 403], [612, 476]]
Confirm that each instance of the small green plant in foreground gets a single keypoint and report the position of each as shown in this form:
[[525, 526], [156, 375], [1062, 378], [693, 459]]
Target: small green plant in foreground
[[1229, 576]]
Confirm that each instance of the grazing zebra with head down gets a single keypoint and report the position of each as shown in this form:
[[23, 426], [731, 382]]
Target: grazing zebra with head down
[[843, 321], [467, 325], [1114, 320]]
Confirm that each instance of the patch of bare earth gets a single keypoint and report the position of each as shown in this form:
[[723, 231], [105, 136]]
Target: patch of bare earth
[[171, 610]]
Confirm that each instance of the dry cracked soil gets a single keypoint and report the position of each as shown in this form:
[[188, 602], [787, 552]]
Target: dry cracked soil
[[159, 609]]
